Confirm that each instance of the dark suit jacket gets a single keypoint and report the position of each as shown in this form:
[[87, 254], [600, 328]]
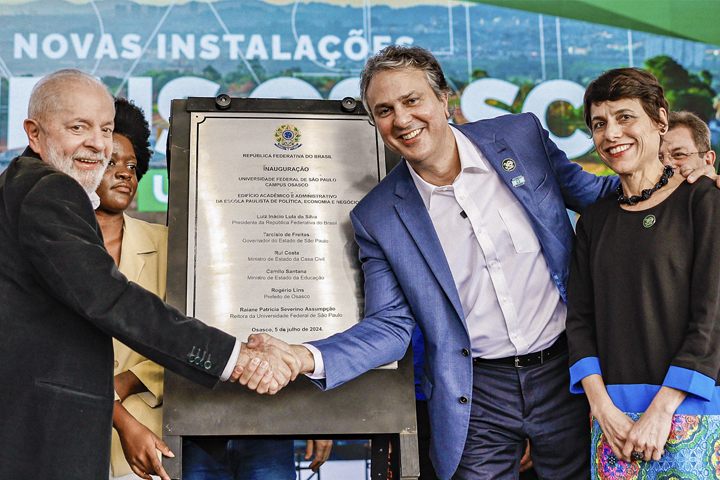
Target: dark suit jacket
[[408, 280], [62, 301]]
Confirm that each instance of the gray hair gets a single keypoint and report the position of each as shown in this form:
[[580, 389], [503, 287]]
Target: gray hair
[[400, 57], [45, 94], [699, 129]]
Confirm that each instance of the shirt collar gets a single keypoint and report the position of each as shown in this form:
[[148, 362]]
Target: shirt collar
[[94, 199], [470, 159]]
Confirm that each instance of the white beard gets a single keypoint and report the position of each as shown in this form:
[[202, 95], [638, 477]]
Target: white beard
[[88, 179]]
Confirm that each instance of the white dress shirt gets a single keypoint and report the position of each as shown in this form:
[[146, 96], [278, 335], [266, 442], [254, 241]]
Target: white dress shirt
[[510, 301]]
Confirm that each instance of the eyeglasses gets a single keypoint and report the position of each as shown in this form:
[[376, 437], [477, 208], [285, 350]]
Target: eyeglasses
[[679, 156]]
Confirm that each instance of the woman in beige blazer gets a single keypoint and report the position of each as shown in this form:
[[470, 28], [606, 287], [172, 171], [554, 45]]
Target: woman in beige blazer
[[140, 252]]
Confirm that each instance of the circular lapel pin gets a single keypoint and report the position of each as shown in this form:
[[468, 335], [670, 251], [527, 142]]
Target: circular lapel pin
[[508, 164], [649, 221]]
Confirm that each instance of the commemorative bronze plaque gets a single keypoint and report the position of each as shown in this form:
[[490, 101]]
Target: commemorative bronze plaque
[[260, 240], [272, 245]]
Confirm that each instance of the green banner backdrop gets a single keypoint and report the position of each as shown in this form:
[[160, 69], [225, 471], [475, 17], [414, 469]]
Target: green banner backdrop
[[696, 20]]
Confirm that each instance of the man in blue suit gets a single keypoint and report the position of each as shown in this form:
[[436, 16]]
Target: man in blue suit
[[468, 238]]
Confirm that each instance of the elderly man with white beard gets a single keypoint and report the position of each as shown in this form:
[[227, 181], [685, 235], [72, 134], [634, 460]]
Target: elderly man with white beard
[[63, 299]]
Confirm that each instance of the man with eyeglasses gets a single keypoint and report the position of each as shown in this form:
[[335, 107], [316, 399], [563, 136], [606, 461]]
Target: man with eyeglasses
[[687, 142]]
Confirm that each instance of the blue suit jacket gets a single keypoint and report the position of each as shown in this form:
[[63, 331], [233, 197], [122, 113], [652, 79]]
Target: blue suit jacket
[[408, 280]]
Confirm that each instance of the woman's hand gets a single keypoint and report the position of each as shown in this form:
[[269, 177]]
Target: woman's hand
[[616, 426], [650, 433], [140, 445], [126, 384], [614, 423]]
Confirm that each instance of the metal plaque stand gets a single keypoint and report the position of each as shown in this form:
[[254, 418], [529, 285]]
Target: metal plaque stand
[[379, 404]]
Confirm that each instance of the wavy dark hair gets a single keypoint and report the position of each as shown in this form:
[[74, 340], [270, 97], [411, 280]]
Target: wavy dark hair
[[401, 57], [626, 83], [130, 123]]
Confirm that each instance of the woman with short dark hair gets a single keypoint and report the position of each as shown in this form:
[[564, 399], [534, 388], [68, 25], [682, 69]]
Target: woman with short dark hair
[[644, 296]]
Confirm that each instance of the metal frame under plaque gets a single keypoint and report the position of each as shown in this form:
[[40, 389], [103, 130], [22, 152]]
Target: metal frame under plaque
[[260, 191]]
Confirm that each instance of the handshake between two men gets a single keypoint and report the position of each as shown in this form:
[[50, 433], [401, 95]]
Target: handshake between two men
[[266, 364]]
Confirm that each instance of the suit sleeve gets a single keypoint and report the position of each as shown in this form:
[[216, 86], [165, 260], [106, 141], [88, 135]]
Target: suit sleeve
[[579, 188], [384, 334], [695, 367], [580, 326], [57, 231]]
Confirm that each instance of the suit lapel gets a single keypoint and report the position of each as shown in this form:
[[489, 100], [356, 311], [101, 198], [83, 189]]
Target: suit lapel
[[134, 240], [414, 215], [508, 165]]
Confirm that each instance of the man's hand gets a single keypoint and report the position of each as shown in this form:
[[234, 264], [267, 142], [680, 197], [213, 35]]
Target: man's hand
[[303, 357], [140, 445], [264, 367], [322, 452], [693, 174], [526, 461], [254, 371]]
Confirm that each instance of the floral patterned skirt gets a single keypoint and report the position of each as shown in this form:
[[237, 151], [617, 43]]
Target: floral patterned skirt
[[691, 453]]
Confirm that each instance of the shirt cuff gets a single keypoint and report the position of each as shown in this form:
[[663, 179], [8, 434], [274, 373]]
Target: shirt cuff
[[319, 372], [231, 362], [690, 381], [583, 368]]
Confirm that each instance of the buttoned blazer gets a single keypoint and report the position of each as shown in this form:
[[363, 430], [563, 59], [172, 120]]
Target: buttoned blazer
[[408, 280], [143, 260], [62, 302]]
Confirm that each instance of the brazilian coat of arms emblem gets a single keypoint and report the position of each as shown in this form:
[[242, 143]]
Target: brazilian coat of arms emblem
[[287, 137]]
